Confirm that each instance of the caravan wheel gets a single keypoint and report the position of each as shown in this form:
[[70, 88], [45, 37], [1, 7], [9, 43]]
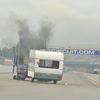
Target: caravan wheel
[[32, 79], [55, 82]]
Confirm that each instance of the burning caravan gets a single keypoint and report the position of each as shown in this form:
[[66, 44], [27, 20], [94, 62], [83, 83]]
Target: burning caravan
[[45, 65]]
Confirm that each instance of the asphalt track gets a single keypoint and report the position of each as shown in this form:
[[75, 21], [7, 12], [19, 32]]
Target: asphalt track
[[72, 87]]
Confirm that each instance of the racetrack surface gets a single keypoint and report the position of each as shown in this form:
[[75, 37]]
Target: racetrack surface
[[72, 87]]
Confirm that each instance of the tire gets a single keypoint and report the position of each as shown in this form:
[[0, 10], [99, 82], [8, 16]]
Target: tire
[[55, 82], [18, 78], [32, 79], [14, 77]]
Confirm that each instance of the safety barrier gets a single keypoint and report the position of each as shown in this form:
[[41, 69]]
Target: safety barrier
[[93, 77], [6, 68]]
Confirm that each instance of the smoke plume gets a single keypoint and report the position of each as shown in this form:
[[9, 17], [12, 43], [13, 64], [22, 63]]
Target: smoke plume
[[24, 29], [16, 27], [46, 28]]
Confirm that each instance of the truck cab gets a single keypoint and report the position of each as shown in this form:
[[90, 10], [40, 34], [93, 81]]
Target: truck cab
[[19, 69]]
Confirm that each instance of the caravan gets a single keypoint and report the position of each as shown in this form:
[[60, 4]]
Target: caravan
[[45, 65]]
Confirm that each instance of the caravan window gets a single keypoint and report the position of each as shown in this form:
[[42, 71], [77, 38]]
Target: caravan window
[[49, 64]]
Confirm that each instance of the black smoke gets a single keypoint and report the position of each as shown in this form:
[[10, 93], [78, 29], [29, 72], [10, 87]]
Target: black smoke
[[24, 29], [18, 27], [46, 28]]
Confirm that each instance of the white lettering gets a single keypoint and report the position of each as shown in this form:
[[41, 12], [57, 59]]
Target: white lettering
[[53, 49], [85, 52], [81, 52], [56, 50], [69, 51], [61, 50], [64, 51], [91, 52], [75, 51]]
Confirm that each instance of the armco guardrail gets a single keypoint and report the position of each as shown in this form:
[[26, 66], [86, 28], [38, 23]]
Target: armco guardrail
[[6, 68], [93, 77]]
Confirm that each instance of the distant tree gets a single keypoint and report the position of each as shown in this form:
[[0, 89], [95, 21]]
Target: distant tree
[[7, 52]]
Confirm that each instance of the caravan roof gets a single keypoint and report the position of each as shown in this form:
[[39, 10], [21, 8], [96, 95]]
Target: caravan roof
[[46, 55]]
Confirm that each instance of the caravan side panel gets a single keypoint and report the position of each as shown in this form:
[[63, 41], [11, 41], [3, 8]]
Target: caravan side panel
[[31, 70]]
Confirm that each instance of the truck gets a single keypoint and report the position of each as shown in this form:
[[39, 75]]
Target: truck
[[21, 55], [32, 61]]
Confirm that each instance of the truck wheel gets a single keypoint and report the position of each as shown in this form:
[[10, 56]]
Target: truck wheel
[[14, 77], [55, 82], [32, 79], [18, 78], [23, 79]]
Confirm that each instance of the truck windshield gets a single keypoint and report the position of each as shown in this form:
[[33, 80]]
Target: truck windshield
[[49, 64]]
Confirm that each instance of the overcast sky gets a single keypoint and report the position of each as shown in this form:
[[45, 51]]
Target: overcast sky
[[75, 21]]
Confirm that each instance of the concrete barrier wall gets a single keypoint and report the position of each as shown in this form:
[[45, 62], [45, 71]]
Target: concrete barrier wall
[[6, 68], [93, 77]]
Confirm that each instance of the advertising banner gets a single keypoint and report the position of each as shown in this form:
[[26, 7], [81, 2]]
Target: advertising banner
[[10, 62], [75, 51]]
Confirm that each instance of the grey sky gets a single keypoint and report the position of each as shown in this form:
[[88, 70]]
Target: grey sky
[[74, 20]]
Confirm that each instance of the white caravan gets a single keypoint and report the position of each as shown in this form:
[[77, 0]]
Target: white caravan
[[45, 65]]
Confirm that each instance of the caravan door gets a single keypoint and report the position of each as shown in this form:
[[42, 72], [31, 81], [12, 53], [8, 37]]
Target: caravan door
[[31, 67]]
